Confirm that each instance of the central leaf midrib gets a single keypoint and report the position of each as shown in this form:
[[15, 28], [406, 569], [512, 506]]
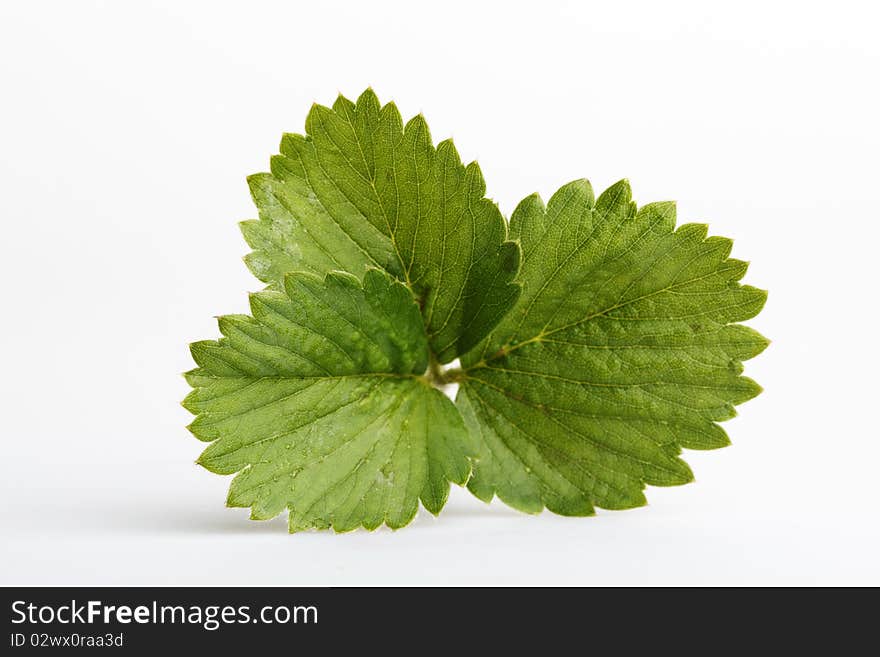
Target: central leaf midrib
[[371, 180], [507, 349]]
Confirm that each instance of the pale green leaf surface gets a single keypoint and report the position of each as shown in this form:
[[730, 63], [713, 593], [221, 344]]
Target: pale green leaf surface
[[622, 348], [361, 189], [318, 403]]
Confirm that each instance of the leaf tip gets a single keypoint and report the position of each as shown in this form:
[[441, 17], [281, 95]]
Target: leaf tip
[[316, 115], [419, 126], [446, 148]]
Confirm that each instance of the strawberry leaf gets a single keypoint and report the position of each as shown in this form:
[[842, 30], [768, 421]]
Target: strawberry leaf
[[621, 350], [361, 189], [596, 339], [318, 403]]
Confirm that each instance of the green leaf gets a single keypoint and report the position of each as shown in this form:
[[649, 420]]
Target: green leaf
[[596, 339], [360, 190], [318, 402], [621, 350]]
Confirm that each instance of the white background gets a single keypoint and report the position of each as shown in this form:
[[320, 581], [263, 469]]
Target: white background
[[126, 133]]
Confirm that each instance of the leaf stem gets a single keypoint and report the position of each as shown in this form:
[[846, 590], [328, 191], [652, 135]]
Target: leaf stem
[[438, 376], [435, 373], [455, 375]]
